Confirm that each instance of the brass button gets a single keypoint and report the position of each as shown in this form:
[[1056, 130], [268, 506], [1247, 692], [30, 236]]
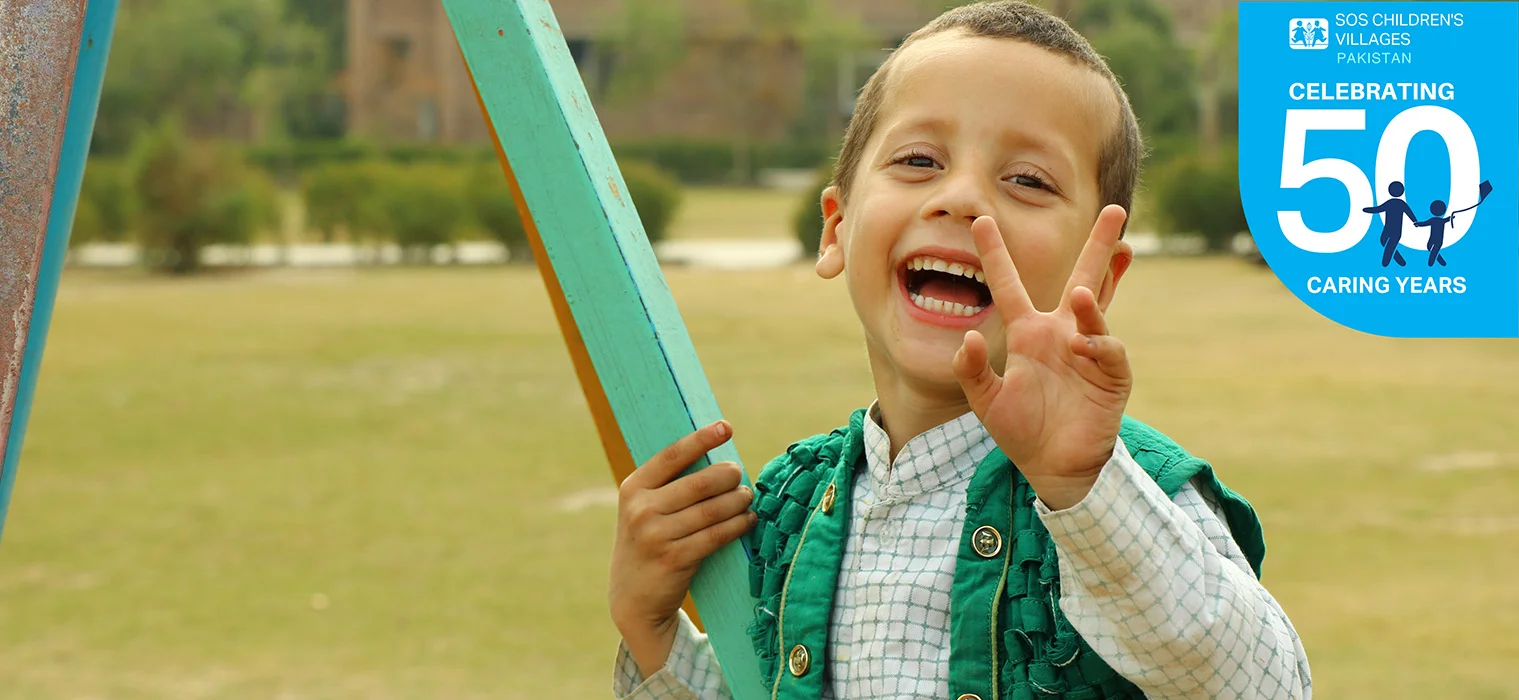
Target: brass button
[[987, 541], [828, 497], [800, 660], [969, 696]]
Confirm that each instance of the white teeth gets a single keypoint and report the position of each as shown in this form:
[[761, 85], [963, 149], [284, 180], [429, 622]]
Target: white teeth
[[924, 262], [945, 307]]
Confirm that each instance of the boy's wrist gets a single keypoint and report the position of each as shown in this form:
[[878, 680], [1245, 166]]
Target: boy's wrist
[[1062, 492], [1062, 486], [649, 645]]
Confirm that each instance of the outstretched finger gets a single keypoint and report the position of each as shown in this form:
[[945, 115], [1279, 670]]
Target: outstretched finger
[[1008, 292], [1089, 317], [672, 460], [1097, 253]]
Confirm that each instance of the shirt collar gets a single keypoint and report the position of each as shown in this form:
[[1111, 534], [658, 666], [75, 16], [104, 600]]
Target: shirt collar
[[943, 456]]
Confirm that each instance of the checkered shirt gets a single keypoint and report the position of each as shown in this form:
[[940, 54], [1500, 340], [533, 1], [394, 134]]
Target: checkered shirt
[[1156, 586]]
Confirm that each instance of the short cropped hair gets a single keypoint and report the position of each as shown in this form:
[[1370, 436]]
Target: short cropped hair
[[1122, 152]]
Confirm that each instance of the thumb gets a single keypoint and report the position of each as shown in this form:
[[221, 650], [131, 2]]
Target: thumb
[[977, 378]]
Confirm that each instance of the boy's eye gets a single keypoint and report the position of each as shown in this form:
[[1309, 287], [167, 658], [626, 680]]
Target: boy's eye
[[915, 160], [1028, 181]]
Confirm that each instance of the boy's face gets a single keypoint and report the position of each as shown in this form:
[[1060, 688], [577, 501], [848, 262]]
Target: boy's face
[[969, 126]]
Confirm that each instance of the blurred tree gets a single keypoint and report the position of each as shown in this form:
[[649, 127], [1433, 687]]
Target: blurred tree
[[645, 42], [1156, 70], [752, 42], [230, 68], [107, 203], [1139, 42], [1218, 82], [758, 90], [193, 194], [1198, 193]]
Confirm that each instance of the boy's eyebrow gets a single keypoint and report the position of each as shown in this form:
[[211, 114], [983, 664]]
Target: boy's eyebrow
[[933, 126], [1013, 138]]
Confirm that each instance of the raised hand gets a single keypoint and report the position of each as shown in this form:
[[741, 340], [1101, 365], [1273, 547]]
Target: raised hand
[[1056, 409]]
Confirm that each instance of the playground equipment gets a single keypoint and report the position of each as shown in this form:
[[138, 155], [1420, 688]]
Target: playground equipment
[[630, 348], [52, 63]]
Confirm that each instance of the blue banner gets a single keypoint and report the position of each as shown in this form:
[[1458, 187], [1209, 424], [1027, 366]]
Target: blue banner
[[1379, 160]]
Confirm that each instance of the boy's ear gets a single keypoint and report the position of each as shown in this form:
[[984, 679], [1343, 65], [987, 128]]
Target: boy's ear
[[830, 250], [1123, 256]]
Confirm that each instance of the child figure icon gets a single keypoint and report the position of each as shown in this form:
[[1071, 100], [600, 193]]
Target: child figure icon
[[1309, 34], [1394, 209]]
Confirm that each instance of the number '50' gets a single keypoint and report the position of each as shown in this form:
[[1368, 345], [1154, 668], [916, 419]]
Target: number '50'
[[1392, 153]]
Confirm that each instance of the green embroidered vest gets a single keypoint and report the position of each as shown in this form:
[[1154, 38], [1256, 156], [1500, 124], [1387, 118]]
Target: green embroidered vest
[[1008, 637]]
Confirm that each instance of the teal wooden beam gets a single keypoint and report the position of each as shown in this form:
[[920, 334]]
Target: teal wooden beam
[[52, 64], [633, 354]]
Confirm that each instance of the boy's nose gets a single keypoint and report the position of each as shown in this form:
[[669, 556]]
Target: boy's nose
[[963, 198]]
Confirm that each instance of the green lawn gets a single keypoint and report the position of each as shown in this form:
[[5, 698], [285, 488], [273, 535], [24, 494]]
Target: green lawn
[[724, 212], [349, 485]]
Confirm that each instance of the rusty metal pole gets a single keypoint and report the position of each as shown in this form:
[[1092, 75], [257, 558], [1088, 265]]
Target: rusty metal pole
[[52, 63]]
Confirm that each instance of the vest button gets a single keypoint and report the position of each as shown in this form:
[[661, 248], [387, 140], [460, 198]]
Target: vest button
[[969, 696], [828, 497], [800, 660], [987, 541]]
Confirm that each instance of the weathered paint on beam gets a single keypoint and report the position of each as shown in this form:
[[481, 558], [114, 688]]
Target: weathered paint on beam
[[52, 62], [634, 357]]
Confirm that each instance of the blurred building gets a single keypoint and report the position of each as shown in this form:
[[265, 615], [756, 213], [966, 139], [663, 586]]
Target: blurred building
[[406, 80]]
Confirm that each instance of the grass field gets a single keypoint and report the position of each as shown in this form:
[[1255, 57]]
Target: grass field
[[726, 212], [386, 485]]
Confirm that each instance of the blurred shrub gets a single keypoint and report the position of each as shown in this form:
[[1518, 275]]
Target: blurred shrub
[[421, 206], [656, 196], [294, 160], [421, 153], [808, 220], [490, 201], [106, 203], [344, 197], [194, 194], [1198, 194], [290, 160], [712, 161], [692, 161], [793, 154]]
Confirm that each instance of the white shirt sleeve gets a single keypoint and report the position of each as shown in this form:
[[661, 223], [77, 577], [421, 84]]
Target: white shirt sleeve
[[1162, 593], [690, 672]]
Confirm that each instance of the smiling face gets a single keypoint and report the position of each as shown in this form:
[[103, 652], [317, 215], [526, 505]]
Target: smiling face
[[970, 126]]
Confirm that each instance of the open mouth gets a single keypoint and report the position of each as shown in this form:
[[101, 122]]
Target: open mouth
[[944, 287]]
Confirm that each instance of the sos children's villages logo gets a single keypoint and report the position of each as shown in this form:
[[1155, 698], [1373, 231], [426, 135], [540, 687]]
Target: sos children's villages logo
[[1395, 118]]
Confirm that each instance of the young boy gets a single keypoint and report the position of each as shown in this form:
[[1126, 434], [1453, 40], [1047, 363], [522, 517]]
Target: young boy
[[977, 206]]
